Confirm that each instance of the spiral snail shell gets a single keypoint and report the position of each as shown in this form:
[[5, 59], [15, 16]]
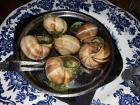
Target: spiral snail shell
[[94, 53], [35, 47], [61, 69], [87, 30], [54, 24], [67, 45]]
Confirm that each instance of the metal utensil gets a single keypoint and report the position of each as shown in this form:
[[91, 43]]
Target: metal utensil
[[14, 65], [132, 77]]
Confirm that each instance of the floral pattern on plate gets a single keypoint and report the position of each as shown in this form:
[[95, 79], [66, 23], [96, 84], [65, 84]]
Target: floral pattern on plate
[[124, 28]]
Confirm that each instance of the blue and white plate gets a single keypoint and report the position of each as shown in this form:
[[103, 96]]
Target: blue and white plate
[[124, 28]]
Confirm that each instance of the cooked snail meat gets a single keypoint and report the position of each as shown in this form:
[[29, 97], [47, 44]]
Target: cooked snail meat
[[36, 47], [54, 25], [67, 45], [62, 69]]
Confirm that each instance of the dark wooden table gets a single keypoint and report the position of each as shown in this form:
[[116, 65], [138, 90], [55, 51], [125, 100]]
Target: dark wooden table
[[122, 3], [7, 6]]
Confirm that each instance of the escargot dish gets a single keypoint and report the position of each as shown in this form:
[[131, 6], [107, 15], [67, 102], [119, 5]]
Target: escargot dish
[[67, 45], [61, 69], [35, 47], [74, 50], [87, 30], [94, 53], [54, 25]]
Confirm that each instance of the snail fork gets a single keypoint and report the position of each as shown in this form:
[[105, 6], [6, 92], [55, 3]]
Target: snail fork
[[16, 65]]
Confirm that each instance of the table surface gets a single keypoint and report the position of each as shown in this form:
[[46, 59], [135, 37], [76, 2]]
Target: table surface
[[122, 3], [7, 7]]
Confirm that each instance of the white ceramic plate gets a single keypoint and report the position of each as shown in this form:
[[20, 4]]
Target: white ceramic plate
[[124, 28]]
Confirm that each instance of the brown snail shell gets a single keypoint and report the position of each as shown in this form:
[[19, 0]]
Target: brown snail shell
[[32, 49], [85, 55], [87, 30], [57, 72], [67, 45], [104, 52], [54, 24], [92, 57]]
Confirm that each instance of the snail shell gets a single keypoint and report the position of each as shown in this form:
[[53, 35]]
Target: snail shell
[[54, 24], [92, 55], [86, 31], [58, 72], [32, 49], [67, 45]]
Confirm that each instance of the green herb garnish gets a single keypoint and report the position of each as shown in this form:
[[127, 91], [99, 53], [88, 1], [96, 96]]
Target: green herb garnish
[[70, 62], [75, 26], [56, 87], [44, 39], [57, 34], [98, 43]]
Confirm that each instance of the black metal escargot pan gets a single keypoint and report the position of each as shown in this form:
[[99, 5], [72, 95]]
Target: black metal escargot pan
[[68, 46]]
